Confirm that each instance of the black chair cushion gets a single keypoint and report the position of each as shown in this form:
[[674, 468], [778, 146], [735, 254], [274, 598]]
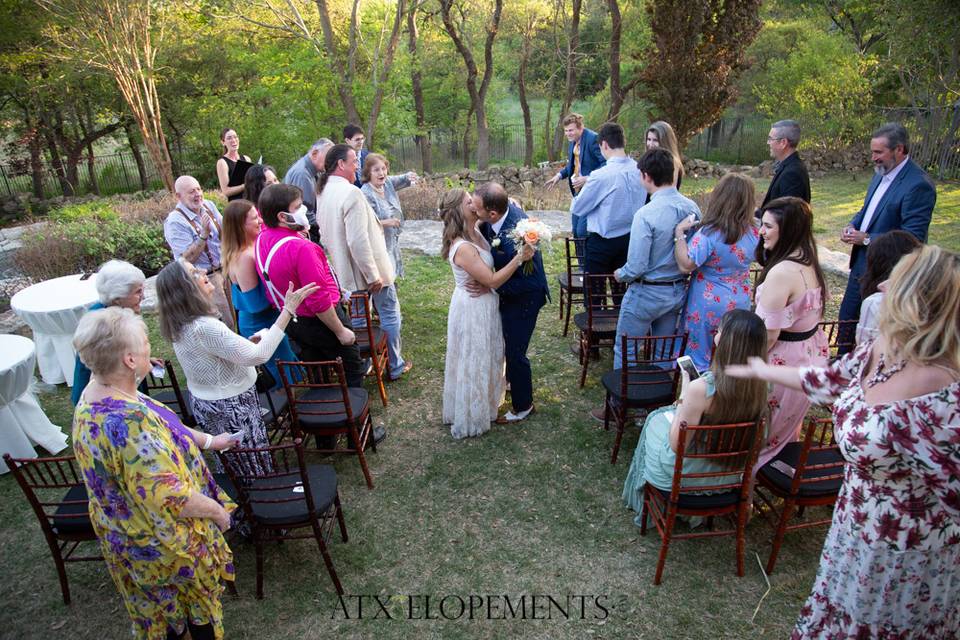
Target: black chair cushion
[[323, 488], [280, 402], [169, 398], [565, 281], [790, 455], [704, 500], [73, 526], [659, 393], [224, 482], [364, 344], [358, 402], [603, 321]]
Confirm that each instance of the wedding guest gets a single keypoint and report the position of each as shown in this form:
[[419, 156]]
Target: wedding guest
[[890, 566], [791, 296], [354, 138], [790, 177], [192, 230], [713, 398], [303, 175], [660, 135], [258, 178], [156, 509], [381, 188], [720, 252], [354, 238], [473, 375], [241, 226], [218, 363], [227, 162], [883, 254], [583, 157], [119, 284]]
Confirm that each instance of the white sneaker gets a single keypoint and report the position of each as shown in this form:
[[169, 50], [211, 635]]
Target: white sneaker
[[510, 416]]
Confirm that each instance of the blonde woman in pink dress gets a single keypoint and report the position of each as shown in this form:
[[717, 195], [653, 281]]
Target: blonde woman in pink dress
[[791, 294]]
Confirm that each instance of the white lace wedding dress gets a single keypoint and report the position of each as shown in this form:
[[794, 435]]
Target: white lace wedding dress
[[473, 379]]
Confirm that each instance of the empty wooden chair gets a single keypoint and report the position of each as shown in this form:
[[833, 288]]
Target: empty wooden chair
[[598, 324], [571, 280]]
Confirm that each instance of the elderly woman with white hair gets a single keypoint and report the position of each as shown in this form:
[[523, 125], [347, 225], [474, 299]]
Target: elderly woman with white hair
[[154, 505], [119, 284]]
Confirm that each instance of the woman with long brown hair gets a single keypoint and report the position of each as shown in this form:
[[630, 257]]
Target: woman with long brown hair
[[226, 163], [241, 225], [791, 296], [660, 135], [720, 253], [473, 380], [713, 398]]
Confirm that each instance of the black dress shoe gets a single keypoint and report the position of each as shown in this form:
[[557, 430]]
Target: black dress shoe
[[379, 434]]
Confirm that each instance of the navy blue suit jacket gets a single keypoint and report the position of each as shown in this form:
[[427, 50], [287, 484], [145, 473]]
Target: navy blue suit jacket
[[907, 205], [361, 158], [520, 287], [590, 156]]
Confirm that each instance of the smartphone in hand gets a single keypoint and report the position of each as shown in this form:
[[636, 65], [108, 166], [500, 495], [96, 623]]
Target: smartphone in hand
[[686, 363]]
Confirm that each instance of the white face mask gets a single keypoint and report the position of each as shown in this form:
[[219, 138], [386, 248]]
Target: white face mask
[[300, 217]]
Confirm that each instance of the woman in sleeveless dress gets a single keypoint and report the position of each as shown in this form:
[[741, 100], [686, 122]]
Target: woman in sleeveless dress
[[241, 224], [225, 164], [473, 380], [791, 295]]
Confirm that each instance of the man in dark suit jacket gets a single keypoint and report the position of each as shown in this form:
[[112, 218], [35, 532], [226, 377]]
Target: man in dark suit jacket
[[900, 196], [583, 156], [521, 297], [353, 136], [790, 177]]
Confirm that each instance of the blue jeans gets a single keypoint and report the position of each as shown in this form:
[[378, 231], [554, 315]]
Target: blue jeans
[[388, 306], [645, 307]]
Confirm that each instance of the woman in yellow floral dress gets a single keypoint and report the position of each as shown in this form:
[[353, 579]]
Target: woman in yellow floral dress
[[155, 507]]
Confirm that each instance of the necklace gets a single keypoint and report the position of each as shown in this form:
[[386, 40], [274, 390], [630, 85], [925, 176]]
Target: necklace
[[882, 374], [135, 398]]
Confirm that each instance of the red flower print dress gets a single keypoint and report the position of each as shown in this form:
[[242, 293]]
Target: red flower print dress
[[891, 561]]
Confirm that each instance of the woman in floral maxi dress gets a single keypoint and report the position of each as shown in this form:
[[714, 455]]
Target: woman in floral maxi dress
[[890, 566]]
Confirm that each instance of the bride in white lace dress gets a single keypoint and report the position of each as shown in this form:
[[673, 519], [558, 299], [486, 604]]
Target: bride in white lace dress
[[473, 380]]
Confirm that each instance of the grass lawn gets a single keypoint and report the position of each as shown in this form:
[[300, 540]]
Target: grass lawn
[[525, 509]]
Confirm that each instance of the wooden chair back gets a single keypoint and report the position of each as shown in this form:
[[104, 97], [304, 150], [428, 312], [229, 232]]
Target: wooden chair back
[[841, 336], [167, 390]]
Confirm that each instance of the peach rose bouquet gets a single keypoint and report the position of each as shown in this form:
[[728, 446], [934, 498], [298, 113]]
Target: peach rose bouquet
[[531, 231]]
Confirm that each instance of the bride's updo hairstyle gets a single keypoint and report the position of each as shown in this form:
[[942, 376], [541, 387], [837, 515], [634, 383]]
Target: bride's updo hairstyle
[[453, 224]]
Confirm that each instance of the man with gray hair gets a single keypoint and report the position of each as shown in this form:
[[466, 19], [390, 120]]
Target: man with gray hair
[[193, 230], [303, 174], [790, 177], [900, 196]]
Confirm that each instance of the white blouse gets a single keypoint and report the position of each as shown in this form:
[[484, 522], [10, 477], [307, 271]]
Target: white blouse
[[219, 363]]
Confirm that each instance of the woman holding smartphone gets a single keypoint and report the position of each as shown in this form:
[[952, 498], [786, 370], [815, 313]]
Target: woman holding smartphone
[[713, 398]]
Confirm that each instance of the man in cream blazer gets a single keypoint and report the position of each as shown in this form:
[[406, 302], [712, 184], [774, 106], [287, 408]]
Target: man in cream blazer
[[353, 240]]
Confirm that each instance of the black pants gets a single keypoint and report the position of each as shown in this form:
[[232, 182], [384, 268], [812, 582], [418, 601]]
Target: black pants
[[850, 308], [317, 342], [519, 320], [606, 255], [197, 632]]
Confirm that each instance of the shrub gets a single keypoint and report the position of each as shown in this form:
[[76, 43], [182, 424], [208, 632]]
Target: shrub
[[79, 238]]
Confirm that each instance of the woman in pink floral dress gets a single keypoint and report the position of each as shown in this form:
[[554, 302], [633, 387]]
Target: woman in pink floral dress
[[721, 252], [890, 566], [791, 294]]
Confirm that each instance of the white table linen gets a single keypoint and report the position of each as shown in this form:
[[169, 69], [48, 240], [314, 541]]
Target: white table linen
[[52, 309], [23, 424]]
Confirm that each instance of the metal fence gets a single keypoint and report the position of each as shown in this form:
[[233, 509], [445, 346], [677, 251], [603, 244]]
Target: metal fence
[[934, 138], [732, 140], [507, 145]]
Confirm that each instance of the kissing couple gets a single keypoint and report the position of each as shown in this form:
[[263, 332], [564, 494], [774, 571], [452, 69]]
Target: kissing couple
[[493, 310]]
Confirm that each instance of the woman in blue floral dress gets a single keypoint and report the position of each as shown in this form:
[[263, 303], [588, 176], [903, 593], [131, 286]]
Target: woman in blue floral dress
[[156, 509], [890, 566], [720, 252]]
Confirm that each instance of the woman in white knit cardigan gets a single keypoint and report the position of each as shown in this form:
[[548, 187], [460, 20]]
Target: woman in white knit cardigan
[[218, 363]]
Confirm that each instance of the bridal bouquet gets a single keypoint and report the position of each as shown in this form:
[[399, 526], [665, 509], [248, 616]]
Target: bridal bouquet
[[530, 231]]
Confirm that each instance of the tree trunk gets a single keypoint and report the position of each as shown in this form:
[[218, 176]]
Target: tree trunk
[[422, 137], [524, 106], [616, 91], [342, 71], [466, 139], [137, 156], [381, 75], [36, 161], [65, 187], [573, 43], [86, 129]]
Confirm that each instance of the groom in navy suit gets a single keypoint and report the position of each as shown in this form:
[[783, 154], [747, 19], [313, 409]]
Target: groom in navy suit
[[900, 196], [521, 297]]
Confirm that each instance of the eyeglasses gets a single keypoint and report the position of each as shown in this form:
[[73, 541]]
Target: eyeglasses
[[769, 139]]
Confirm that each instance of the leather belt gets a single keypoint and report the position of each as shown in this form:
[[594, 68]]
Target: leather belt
[[797, 336], [662, 283]]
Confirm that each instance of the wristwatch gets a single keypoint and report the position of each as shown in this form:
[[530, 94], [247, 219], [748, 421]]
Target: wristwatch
[[866, 239]]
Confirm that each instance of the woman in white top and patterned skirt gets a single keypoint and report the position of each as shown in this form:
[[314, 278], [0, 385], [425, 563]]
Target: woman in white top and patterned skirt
[[218, 363]]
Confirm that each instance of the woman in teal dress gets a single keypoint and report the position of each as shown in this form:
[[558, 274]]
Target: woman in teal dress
[[241, 224], [713, 398]]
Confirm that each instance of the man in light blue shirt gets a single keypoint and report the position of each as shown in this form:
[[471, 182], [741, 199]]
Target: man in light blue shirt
[[657, 285], [608, 201]]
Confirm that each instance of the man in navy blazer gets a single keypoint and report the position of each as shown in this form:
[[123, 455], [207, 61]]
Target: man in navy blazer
[[353, 136], [900, 196], [583, 156], [521, 297], [790, 177]]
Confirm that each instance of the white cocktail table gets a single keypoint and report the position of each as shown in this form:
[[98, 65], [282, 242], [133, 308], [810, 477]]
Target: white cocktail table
[[23, 423], [52, 309]]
